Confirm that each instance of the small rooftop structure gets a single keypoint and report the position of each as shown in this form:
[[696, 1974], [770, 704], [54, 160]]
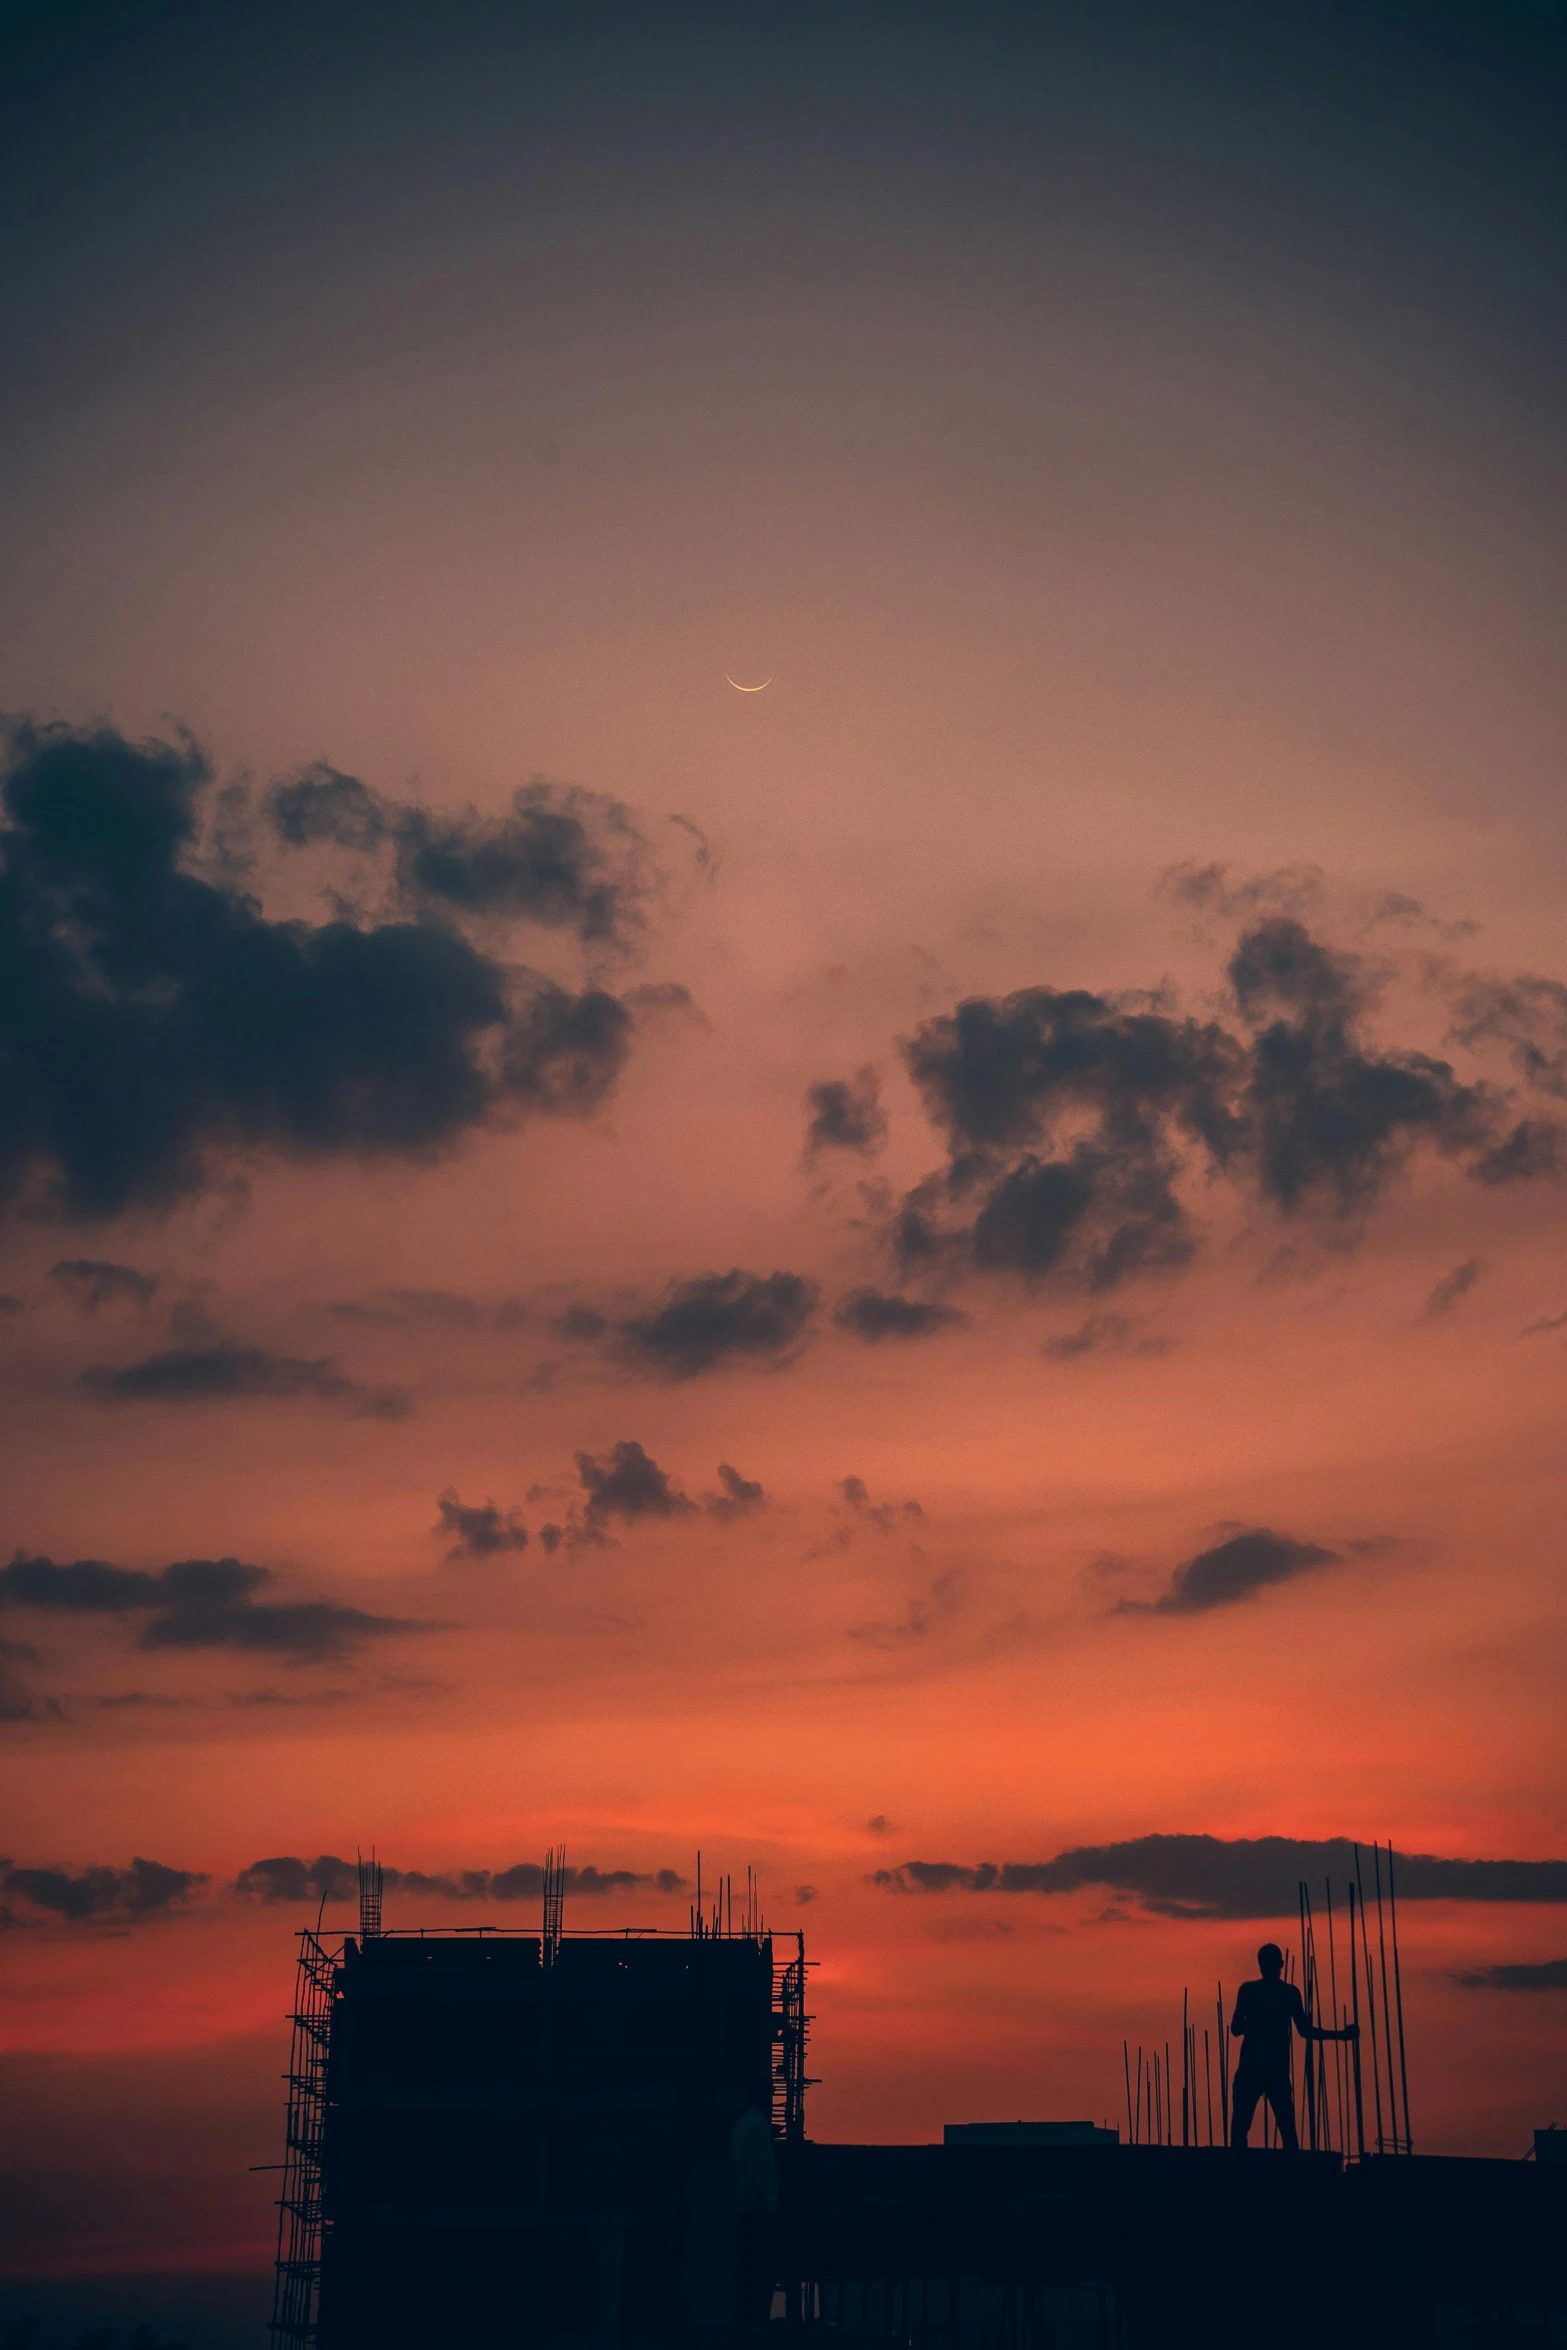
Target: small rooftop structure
[[1028, 2134]]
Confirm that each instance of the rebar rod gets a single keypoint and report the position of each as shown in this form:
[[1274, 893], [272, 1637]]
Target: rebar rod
[[1387, 2012], [1354, 2046], [1338, 2045], [1398, 1993], [1371, 1998]]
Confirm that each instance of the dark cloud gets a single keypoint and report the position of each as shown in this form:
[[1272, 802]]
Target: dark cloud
[[563, 1052], [18, 1702], [154, 1023], [1062, 1113], [197, 1603], [481, 1530], [91, 1282], [85, 1587], [703, 1322], [1101, 1334], [873, 1315], [997, 1075], [884, 1515], [662, 995], [9, 1304], [1070, 1118], [1527, 1016], [289, 1879], [1243, 1877], [567, 859], [1329, 1117], [737, 1497], [226, 1373], [1208, 889], [1244, 1563], [1535, 1150], [846, 1115], [1452, 1286], [146, 1889], [628, 1485], [1394, 907], [1547, 1974]]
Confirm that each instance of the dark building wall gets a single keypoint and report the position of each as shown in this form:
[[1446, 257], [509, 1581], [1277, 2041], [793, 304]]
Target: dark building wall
[[540, 2152], [1124, 2248]]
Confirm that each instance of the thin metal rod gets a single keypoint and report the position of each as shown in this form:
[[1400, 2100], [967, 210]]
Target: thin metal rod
[[1126, 2067], [1191, 2069], [1387, 2010], [1315, 2057], [1354, 2046], [1338, 2045], [1371, 1998], [1305, 1993], [1398, 1993]]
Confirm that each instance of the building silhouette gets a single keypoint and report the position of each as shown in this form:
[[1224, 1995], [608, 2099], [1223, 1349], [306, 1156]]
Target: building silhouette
[[568, 2141]]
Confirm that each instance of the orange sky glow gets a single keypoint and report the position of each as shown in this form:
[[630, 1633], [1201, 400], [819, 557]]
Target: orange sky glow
[[1135, 602]]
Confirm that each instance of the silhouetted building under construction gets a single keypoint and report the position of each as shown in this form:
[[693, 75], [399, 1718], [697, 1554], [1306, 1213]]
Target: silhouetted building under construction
[[597, 2142]]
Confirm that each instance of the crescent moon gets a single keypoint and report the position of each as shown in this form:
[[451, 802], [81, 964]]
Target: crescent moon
[[747, 689]]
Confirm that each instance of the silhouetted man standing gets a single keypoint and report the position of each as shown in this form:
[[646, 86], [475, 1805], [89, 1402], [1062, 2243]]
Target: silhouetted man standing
[[1266, 2013]]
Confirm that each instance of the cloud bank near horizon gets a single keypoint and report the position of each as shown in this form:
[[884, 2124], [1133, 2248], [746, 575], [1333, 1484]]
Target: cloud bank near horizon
[[1240, 1877]]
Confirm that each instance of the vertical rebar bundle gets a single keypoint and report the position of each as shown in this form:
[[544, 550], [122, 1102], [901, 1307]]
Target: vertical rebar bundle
[[554, 1904], [370, 1889]]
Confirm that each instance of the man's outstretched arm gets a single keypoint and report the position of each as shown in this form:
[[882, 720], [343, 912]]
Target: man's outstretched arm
[[1310, 2031]]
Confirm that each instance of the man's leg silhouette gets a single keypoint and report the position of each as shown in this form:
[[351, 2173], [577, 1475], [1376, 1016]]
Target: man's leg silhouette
[[1249, 2089], [1281, 2096]]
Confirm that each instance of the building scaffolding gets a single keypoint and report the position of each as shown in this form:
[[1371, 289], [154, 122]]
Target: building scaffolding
[[791, 2031], [297, 2291], [310, 2217]]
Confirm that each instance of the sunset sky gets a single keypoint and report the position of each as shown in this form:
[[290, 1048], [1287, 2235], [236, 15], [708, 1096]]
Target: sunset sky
[[958, 1261]]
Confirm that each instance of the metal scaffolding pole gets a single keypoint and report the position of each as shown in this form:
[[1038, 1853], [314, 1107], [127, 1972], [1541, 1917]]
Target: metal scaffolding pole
[[296, 2295]]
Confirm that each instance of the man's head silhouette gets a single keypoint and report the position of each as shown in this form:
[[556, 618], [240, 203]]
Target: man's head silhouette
[[1271, 1959]]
